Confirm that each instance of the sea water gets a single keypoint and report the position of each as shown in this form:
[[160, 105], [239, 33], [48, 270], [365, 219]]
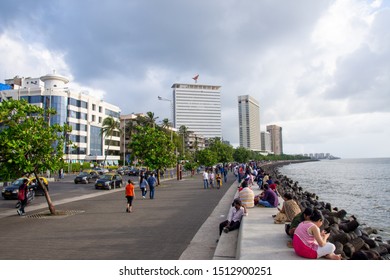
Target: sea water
[[360, 186]]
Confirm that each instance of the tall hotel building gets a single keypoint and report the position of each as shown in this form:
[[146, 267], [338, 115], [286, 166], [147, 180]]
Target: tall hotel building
[[81, 111], [249, 122], [198, 107], [276, 139]]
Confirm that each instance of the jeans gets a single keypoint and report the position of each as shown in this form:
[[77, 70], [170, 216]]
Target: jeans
[[205, 184], [144, 191], [265, 203], [151, 192]]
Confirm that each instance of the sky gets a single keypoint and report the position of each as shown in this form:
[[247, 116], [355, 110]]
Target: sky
[[319, 69]]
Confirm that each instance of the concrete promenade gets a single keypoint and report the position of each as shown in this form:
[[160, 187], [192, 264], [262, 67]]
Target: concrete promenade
[[180, 223]]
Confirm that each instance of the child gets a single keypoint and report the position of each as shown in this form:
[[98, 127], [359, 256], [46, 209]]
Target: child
[[218, 178]]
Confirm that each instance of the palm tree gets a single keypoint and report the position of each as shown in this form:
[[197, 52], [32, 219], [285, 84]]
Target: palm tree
[[110, 125], [150, 119], [183, 130], [167, 126]]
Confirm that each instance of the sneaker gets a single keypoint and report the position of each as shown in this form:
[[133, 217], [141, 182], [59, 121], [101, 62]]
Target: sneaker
[[23, 214], [19, 212], [225, 230], [127, 210], [143, 196]]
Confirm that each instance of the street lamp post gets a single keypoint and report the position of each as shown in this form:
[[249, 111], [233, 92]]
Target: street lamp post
[[171, 101], [124, 142]]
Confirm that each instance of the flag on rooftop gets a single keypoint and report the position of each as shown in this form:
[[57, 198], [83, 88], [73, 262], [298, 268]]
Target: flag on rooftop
[[196, 78]]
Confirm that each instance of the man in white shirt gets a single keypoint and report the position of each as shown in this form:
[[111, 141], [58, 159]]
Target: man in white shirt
[[205, 179], [234, 218]]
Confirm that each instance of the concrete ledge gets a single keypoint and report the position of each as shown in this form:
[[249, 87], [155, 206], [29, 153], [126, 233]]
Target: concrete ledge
[[261, 239], [227, 244]]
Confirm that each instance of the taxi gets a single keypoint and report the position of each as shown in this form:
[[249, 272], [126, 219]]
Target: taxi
[[12, 191], [109, 181]]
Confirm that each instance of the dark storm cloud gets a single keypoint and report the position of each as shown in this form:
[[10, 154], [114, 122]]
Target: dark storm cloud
[[130, 36]]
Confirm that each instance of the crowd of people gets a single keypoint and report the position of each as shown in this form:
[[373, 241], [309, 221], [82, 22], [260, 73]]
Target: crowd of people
[[303, 225]]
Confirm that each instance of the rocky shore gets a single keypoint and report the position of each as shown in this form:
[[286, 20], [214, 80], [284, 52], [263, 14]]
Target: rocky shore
[[352, 241]]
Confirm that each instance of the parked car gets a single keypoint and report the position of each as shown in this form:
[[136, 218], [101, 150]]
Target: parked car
[[133, 172], [109, 181], [11, 191], [86, 177], [101, 171], [123, 170]]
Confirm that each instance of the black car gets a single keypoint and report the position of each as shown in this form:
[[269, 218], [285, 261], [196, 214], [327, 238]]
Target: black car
[[109, 181], [133, 172], [86, 177], [12, 191], [123, 170]]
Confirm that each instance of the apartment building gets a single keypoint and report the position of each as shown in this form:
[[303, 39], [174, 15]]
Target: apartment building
[[83, 112]]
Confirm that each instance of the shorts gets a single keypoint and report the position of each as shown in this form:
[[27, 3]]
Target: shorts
[[130, 199]]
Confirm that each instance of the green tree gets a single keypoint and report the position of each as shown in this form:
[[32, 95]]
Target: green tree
[[207, 157], [184, 132], [110, 126], [241, 154], [223, 151], [153, 147], [28, 144]]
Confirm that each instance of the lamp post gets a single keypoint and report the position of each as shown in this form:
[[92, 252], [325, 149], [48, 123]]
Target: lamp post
[[166, 99], [171, 101], [124, 142]]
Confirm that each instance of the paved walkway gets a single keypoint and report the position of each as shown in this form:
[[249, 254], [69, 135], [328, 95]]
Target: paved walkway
[[97, 226]]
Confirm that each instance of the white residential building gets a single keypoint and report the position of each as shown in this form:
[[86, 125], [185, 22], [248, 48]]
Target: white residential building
[[82, 111]]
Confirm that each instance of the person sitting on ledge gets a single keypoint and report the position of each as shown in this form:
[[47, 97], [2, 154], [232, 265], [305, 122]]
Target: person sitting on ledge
[[246, 195], [289, 210], [309, 242], [304, 216], [234, 218], [268, 198]]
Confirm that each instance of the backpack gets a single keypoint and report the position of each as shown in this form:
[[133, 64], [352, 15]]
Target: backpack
[[22, 192]]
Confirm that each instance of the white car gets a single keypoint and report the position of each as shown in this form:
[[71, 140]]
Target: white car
[[101, 171]]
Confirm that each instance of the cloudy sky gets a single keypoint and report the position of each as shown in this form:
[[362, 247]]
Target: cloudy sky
[[319, 69]]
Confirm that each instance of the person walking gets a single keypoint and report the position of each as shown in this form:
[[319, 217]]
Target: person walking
[[22, 197], [219, 180], [152, 182], [130, 195], [225, 171], [143, 184], [211, 178], [205, 179]]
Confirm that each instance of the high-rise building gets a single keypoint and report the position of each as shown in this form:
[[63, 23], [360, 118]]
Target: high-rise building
[[266, 142], [198, 107], [249, 122], [276, 139], [83, 112]]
